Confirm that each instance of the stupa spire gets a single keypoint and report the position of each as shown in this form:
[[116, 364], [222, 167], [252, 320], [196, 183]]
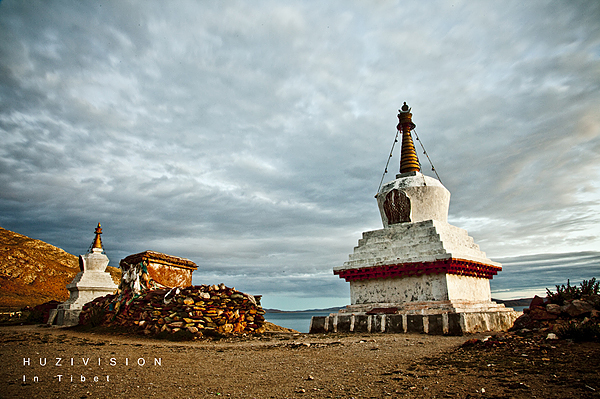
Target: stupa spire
[[409, 162], [97, 240]]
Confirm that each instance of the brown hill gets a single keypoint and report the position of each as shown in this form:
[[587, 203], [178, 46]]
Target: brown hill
[[33, 272]]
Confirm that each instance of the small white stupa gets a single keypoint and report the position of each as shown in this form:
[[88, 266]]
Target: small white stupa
[[419, 273], [91, 282]]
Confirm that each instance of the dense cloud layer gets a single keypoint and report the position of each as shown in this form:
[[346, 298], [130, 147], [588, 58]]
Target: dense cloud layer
[[526, 276], [250, 137]]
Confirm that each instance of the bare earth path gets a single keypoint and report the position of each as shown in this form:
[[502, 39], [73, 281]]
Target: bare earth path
[[282, 365]]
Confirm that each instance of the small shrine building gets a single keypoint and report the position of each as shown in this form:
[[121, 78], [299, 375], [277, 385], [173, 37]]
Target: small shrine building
[[165, 270]]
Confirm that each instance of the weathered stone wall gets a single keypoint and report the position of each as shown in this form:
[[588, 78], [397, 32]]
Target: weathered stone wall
[[165, 270], [170, 276]]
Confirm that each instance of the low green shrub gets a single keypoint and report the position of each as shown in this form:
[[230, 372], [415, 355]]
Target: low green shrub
[[564, 293]]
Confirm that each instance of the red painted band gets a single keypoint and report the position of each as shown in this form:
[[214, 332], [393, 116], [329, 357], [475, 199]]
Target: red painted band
[[459, 267]]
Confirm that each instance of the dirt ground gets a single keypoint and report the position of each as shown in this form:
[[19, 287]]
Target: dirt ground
[[285, 365]]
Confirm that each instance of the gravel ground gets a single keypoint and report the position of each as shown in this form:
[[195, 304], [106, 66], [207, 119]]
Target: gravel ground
[[286, 365]]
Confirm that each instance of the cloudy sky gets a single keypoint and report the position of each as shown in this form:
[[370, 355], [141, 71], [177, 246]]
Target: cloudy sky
[[250, 137]]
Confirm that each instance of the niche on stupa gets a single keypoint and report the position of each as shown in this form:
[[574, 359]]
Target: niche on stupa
[[396, 207]]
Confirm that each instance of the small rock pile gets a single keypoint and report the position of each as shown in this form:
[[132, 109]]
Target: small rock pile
[[41, 312], [196, 311], [542, 314]]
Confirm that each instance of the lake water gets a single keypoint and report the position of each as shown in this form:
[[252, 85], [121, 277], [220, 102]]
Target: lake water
[[298, 321]]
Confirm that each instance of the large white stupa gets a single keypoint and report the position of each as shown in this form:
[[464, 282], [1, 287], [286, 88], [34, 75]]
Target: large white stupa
[[419, 273]]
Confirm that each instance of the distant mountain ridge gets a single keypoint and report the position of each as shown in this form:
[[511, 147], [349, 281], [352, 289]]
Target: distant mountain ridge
[[333, 310], [514, 302], [33, 272]]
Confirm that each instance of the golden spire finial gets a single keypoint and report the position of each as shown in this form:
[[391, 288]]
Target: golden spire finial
[[409, 162], [97, 241]]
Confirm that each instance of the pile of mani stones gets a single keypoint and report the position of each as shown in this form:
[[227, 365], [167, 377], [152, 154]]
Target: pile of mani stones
[[195, 311]]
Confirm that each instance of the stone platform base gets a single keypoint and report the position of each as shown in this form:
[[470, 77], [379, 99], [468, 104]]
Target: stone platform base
[[434, 324], [64, 317]]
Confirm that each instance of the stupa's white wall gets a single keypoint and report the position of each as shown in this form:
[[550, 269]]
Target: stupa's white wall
[[466, 288], [424, 288], [399, 290]]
